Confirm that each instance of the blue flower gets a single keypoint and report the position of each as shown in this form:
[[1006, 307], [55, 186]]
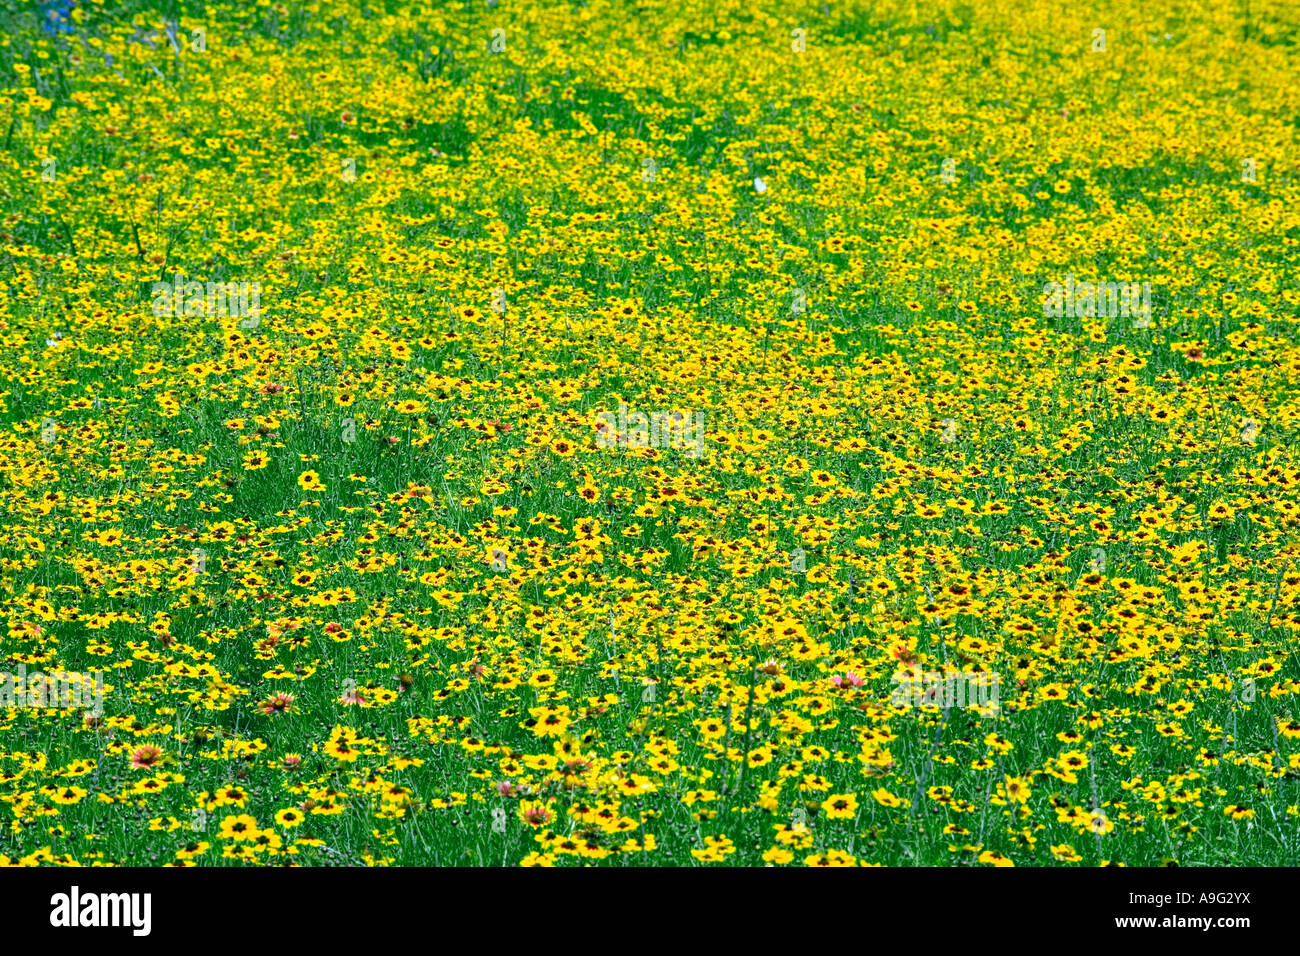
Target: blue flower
[[56, 16]]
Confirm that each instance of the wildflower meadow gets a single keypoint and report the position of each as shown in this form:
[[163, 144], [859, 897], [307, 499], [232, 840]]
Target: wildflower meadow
[[597, 432]]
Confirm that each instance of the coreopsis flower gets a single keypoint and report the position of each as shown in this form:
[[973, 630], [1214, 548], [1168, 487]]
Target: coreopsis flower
[[310, 481]]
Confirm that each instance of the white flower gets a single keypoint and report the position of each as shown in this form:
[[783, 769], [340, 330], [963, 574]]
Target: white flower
[[760, 185]]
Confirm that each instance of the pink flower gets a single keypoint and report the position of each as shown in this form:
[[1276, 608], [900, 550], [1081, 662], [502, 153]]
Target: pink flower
[[537, 816], [145, 757], [850, 679], [276, 704]]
